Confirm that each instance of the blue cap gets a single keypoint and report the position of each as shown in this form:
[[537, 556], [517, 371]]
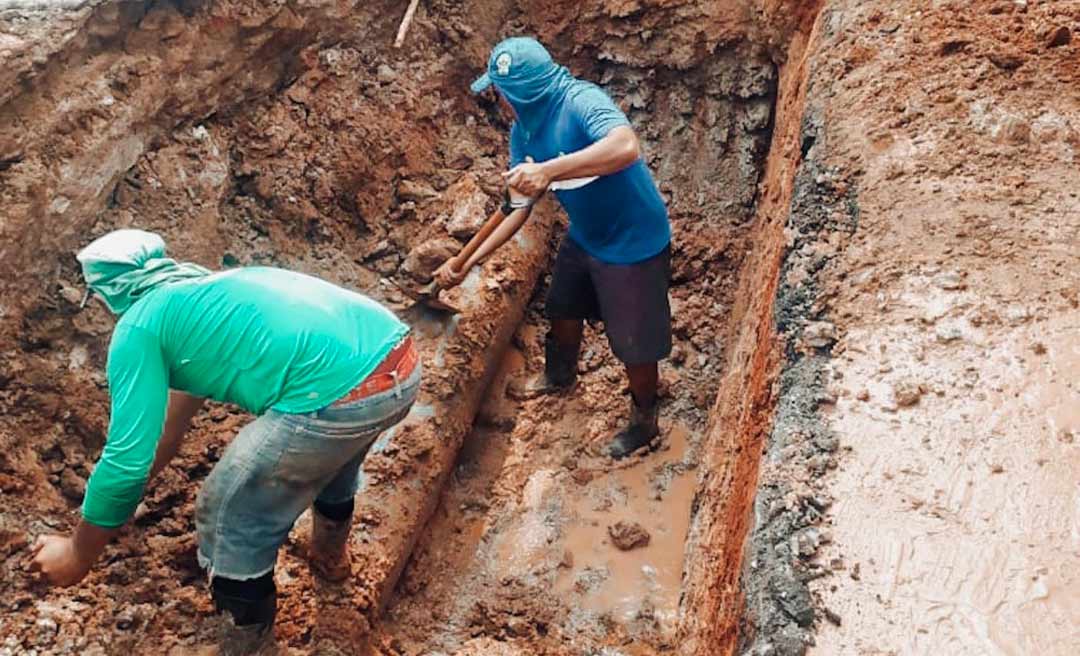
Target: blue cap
[[514, 60]]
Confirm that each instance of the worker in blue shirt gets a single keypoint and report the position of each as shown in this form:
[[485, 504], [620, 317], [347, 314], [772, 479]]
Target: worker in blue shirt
[[614, 264]]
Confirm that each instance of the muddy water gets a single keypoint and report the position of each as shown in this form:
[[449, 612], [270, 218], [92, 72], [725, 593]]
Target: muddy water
[[658, 499]]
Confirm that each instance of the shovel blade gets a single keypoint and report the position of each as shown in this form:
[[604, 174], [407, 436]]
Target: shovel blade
[[428, 295]]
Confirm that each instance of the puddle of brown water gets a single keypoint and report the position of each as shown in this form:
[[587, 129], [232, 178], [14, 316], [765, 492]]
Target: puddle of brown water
[[649, 576], [517, 504]]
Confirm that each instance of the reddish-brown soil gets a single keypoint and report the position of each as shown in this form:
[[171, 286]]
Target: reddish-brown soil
[[869, 417], [956, 522]]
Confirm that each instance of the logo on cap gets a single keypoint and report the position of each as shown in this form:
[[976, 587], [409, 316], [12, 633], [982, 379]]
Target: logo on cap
[[502, 63]]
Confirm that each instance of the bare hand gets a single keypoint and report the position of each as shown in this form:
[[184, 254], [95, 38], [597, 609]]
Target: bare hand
[[528, 178], [448, 275], [55, 556]]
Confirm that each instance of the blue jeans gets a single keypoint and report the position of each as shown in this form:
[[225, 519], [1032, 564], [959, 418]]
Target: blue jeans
[[277, 466]]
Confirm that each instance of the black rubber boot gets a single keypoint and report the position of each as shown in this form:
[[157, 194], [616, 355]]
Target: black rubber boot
[[329, 552], [643, 428], [248, 609], [560, 372]]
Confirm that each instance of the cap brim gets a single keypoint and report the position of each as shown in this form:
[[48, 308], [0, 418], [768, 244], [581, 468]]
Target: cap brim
[[481, 83]]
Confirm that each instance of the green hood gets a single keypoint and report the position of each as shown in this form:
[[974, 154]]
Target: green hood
[[125, 265]]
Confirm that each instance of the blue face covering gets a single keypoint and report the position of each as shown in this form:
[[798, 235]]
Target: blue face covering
[[524, 73]]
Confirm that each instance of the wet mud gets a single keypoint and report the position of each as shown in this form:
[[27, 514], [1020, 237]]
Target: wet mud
[[953, 527], [521, 547]]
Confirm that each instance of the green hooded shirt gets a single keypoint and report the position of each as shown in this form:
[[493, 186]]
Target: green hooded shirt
[[259, 337]]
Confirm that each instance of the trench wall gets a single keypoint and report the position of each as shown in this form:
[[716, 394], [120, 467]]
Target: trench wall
[[715, 598]]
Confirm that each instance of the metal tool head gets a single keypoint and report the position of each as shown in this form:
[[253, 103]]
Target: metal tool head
[[428, 296]]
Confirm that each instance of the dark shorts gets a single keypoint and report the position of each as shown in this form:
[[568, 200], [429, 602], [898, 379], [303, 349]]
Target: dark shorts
[[631, 300]]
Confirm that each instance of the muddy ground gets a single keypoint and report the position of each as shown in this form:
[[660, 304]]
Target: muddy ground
[[869, 416]]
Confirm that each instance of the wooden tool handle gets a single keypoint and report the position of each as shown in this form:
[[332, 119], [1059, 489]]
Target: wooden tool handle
[[493, 222]]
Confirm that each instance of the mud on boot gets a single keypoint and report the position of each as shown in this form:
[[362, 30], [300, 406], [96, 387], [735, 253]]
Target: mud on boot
[[328, 552], [643, 429], [559, 375], [245, 622], [245, 640]]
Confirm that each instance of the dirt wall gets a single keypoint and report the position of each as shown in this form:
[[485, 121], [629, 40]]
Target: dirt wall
[[92, 85], [922, 424], [713, 602]]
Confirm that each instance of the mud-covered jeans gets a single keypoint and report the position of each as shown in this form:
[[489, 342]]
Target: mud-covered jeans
[[277, 466]]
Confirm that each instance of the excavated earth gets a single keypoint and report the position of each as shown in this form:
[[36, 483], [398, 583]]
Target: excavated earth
[[869, 418]]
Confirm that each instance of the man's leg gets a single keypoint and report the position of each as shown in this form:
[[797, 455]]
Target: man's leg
[[333, 507], [568, 332], [571, 299], [331, 522], [269, 474], [229, 511], [637, 318], [250, 606], [644, 379]]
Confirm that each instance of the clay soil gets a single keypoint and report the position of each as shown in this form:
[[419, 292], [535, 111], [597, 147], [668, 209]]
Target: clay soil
[[869, 420]]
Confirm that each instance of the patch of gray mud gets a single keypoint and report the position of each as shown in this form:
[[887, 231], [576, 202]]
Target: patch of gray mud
[[791, 503]]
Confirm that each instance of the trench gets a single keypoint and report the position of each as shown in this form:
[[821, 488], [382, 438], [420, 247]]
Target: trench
[[483, 525], [519, 555]]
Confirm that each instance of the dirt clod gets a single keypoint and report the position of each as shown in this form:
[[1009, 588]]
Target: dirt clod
[[628, 535], [1061, 36], [907, 393], [422, 261], [820, 334], [72, 485]]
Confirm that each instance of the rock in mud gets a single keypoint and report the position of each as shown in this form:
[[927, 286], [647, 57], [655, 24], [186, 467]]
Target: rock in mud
[[467, 202], [72, 485], [907, 393], [628, 535], [795, 601], [11, 541], [385, 74], [1059, 37], [950, 280], [419, 192], [428, 256], [819, 334]]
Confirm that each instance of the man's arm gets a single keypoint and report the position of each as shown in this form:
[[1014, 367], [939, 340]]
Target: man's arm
[[617, 150], [65, 561], [139, 387]]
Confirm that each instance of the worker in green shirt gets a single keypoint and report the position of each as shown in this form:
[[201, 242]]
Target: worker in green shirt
[[325, 370]]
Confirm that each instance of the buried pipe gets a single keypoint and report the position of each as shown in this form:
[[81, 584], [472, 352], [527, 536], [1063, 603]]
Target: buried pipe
[[404, 474]]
